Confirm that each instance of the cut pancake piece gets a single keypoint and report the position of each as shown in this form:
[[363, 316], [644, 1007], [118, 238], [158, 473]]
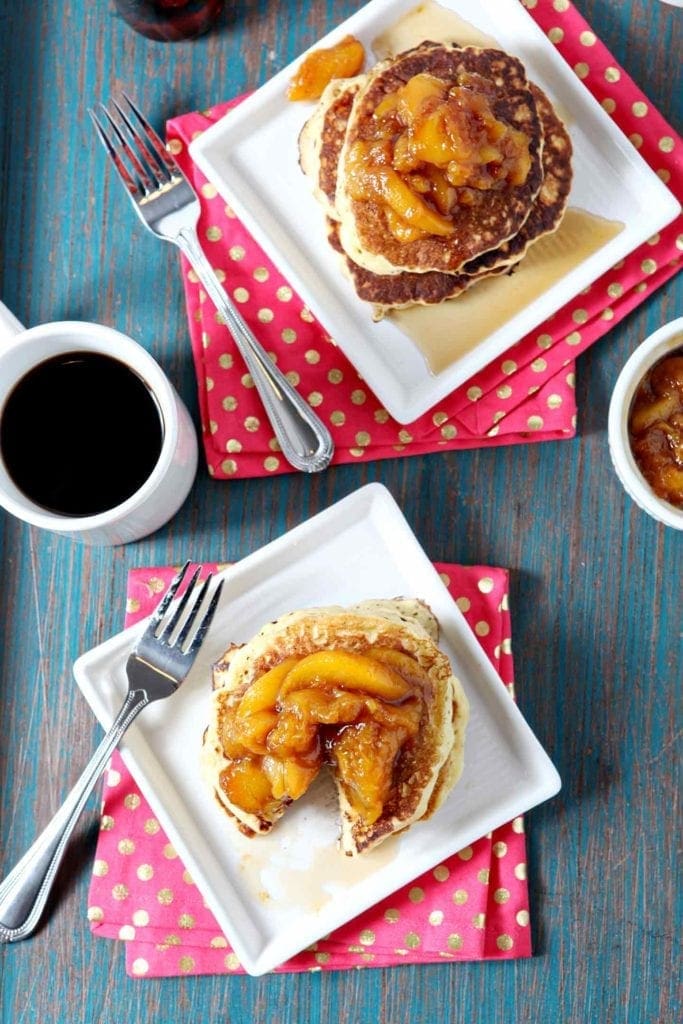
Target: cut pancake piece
[[363, 690], [457, 123]]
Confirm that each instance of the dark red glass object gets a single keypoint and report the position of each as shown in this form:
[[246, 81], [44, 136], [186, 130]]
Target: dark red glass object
[[169, 20]]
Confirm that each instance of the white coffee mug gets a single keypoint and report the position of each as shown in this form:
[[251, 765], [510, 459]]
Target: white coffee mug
[[169, 482]]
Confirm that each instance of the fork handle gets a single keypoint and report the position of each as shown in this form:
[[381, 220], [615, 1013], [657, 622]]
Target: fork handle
[[24, 893], [304, 440]]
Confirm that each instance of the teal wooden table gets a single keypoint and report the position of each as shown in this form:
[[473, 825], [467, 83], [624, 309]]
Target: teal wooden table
[[596, 592]]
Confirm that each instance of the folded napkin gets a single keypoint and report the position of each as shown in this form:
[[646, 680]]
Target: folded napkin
[[474, 906], [525, 395]]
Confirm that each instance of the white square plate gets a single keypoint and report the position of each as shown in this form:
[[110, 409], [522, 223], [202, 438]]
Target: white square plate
[[275, 895], [251, 157]]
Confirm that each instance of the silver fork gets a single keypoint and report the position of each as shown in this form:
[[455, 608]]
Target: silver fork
[[156, 668], [168, 206]]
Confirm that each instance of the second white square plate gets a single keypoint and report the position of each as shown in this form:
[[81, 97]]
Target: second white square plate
[[251, 157], [275, 895]]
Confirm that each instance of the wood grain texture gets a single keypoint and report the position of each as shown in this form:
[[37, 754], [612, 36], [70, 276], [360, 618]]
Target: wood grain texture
[[595, 594]]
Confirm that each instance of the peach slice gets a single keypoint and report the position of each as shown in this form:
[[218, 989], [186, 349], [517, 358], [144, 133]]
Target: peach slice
[[343, 60], [443, 193], [647, 415], [347, 670], [274, 770], [420, 92], [399, 660], [400, 718], [288, 778], [401, 229], [410, 101], [365, 755], [383, 184], [667, 377], [324, 708], [262, 694], [298, 778], [246, 786], [294, 735], [253, 731], [408, 205]]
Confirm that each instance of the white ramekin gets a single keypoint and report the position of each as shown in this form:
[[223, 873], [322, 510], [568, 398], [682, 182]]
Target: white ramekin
[[667, 339]]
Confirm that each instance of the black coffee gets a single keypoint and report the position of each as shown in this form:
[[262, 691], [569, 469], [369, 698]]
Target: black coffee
[[80, 433]]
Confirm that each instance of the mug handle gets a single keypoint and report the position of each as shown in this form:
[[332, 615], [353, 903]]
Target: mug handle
[[9, 325]]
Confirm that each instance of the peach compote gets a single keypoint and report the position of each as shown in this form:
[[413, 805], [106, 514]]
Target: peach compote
[[433, 146], [656, 428], [343, 60], [356, 711]]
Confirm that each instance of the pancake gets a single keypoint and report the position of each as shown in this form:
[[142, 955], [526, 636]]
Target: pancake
[[320, 145], [396, 291], [549, 206], [388, 292], [495, 215], [322, 137], [394, 757]]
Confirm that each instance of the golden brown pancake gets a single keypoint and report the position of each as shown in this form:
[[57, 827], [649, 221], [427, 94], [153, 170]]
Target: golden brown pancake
[[394, 291], [320, 145], [322, 137], [422, 768], [332, 140], [550, 203], [364, 233], [387, 291]]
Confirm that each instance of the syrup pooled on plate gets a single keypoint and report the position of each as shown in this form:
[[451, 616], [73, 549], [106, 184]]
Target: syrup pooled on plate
[[446, 332]]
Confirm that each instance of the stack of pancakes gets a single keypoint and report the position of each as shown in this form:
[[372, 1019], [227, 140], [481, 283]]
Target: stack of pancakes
[[351, 740], [490, 230]]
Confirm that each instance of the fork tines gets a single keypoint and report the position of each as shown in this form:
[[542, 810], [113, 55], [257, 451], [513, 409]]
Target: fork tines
[[139, 155], [182, 620]]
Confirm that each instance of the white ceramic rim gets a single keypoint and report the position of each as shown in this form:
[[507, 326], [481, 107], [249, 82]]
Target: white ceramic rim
[[666, 339], [66, 335]]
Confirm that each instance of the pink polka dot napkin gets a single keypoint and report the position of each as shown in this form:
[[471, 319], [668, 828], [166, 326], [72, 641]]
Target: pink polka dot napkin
[[474, 906], [527, 395]]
